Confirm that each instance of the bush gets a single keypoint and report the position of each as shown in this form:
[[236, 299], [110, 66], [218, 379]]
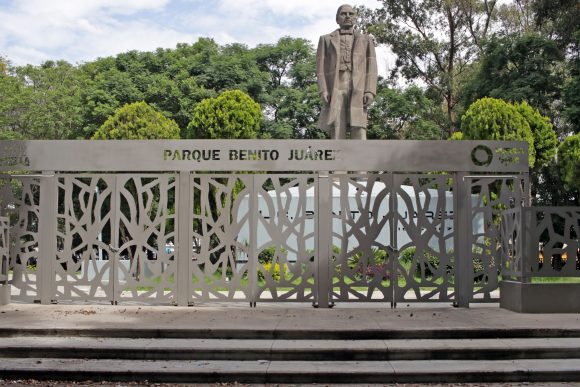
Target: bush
[[231, 115], [275, 275], [137, 121], [430, 264], [268, 254], [379, 266]]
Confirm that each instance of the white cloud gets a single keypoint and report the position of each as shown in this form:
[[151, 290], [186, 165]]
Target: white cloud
[[81, 30], [37, 30]]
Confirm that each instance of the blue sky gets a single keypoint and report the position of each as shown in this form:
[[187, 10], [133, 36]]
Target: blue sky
[[33, 31]]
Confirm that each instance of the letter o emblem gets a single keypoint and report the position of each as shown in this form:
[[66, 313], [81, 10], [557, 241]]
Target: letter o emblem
[[482, 156]]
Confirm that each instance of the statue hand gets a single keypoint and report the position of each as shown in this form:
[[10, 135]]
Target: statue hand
[[368, 99], [325, 98]]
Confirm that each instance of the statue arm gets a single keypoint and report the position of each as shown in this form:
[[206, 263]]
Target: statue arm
[[320, 59], [372, 71]]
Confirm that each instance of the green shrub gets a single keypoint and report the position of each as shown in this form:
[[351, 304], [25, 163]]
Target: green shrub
[[275, 275]]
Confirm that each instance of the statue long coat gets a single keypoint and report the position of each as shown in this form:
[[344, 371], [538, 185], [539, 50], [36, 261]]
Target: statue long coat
[[364, 77]]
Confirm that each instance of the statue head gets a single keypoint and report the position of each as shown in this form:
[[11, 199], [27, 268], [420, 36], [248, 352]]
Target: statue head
[[345, 16]]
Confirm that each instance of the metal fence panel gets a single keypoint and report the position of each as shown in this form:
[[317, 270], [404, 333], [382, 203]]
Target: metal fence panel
[[222, 211], [86, 258], [490, 195], [555, 247], [20, 199], [425, 238], [361, 265]]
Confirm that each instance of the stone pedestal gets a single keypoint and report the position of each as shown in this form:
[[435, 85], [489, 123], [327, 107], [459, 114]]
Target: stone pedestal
[[5, 294], [539, 298]]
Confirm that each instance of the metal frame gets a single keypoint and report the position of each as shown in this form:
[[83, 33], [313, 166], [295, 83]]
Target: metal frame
[[203, 215]]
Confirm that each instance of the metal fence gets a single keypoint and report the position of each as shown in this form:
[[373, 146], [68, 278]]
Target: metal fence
[[401, 232], [540, 242], [4, 254]]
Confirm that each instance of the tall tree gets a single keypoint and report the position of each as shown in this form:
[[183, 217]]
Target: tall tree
[[518, 68], [434, 41], [42, 102], [569, 164], [403, 114], [291, 104]]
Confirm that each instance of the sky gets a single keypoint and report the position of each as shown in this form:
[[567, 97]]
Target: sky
[[78, 31]]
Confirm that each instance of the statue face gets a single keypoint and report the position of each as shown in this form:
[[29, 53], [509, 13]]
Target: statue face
[[346, 17]]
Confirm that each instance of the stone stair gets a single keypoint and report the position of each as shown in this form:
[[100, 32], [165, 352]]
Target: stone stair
[[291, 356]]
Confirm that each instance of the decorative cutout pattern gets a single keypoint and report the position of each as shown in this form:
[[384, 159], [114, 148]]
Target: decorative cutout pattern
[[20, 198], [557, 231], [221, 266], [146, 207], [255, 237], [287, 243], [361, 269], [489, 197], [4, 254], [113, 236], [425, 236], [85, 263], [512, 240], [541, 242]]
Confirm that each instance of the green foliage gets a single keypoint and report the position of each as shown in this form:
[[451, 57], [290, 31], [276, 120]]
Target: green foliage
[[231, 115], [429, 264], [495, 119], [545, 139], [403, 114], [376, 265], [137, 121], [457, 136], [266, 259], [41, 102], [433, 41], [518, 68], [291, 101], [571, 92], [569, 163]]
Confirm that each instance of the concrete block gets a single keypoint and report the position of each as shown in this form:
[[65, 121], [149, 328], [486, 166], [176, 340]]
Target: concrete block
[[5, 294], [540, 298]]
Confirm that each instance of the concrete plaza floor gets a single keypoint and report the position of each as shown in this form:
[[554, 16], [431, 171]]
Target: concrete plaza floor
[[273, 317]]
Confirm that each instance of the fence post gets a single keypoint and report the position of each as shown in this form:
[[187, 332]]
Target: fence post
[[184, 237], [47, 224], [462, 241], [529, 243], [323, 280]]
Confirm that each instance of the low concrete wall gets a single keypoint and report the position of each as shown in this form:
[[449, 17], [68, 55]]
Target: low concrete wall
[[4, 294], [540, 298]]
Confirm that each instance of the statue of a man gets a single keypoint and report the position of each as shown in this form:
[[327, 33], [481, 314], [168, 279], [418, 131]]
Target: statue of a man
[[346, 67]]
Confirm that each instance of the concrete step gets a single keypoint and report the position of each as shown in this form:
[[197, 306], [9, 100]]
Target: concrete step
[[314, 350], [327, 333], [263, 371]]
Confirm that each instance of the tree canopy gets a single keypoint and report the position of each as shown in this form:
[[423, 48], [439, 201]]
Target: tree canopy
[[569, 163]]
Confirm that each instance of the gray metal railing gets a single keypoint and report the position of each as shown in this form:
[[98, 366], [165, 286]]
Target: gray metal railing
[[540, 242], [147, 222]]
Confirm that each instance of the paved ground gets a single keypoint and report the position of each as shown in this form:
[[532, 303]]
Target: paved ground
[[287, 317], [277, 316], [16, 383]]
